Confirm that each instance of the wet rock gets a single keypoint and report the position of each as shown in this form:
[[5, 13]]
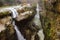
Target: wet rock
[[7, 31]]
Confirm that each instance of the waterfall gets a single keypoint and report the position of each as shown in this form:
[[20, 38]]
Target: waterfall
[[38, 22], [14, 15]]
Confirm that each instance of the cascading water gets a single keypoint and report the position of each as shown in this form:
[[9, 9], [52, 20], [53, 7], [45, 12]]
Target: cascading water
[[37, 17], [14, 15], [38, 22]]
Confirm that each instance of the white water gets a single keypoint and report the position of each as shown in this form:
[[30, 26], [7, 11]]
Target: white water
[[37, 17], [14, 15], [38, 22]]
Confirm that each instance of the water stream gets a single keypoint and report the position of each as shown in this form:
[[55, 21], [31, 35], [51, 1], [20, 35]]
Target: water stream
[[14, 15], [38, 22]]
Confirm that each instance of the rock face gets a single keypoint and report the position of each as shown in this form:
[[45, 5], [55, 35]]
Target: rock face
[[7, 31]]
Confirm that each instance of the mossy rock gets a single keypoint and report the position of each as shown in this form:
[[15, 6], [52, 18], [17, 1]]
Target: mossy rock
[[52, 22]]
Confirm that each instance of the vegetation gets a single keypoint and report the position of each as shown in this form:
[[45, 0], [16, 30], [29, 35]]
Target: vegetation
[[51, 20]]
